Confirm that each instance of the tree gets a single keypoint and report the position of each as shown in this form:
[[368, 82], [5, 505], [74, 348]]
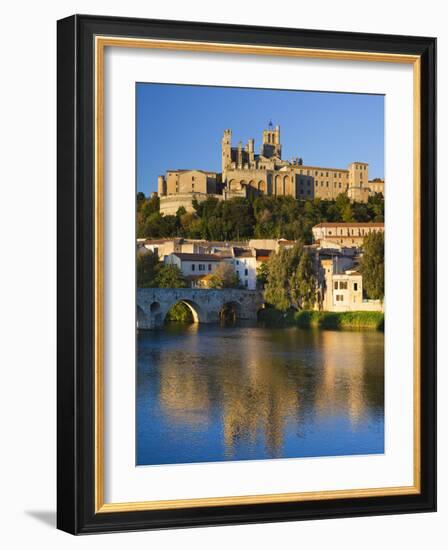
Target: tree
[[190, 225], [266, 216], [147, 264], [148, 206], [223, 277], [291, 282], [375, 205], [372, 265], [169, 276], [262, 275], [347, 213], [181, 211]]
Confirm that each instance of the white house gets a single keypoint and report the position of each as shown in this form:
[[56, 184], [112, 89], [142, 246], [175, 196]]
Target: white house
[[244, 263], [193, 266]]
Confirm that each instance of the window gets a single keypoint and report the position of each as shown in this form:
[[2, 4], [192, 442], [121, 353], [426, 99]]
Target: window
[[355, 287], [246, 272], [193, 267], [340, 185], [327, 184], [343, 285], [237, 262], [192, 178], [201, 267], [336, 285], [339, 297], [209, 267], [246, 283]]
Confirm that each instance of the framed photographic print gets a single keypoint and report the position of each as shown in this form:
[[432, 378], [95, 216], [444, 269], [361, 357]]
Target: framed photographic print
[[246, 266]]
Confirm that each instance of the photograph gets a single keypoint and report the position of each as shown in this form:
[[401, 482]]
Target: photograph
[[260, 274]]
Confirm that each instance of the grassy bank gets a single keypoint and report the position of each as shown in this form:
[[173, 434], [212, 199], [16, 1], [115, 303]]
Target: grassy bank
[[346, 319], [324, 319]]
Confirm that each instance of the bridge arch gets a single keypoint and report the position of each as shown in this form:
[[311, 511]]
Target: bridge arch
[[142, 318], [194, 308], [230, 311]]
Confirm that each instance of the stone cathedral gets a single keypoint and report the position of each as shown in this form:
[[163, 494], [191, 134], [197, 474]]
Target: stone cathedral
[[245, 173]]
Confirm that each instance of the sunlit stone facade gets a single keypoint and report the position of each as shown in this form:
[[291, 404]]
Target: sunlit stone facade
[[245, 173]]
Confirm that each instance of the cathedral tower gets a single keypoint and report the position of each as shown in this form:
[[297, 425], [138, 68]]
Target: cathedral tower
[[226, 146], [271, 146]]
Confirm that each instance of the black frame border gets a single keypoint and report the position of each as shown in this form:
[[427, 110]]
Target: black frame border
[[76, 264]]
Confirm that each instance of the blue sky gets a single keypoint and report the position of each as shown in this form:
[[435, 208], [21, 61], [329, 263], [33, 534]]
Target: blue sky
[[181, 126]]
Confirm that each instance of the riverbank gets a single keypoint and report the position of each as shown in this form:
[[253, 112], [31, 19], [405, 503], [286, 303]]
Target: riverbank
[[324, 319]]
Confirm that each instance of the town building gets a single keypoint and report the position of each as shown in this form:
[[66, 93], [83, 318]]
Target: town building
[[244, 263], [245, 173], [342, 289], [336, 265], [341, 234], [194, 267], [163, 247]]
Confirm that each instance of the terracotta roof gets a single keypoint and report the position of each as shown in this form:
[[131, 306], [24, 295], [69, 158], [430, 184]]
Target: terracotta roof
[[309, 167], [157, 241], [242, 252], [350, 224], [182, 170], [263, 252], [186, 256]]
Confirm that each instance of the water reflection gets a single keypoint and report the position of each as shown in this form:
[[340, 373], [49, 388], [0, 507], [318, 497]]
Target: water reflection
[[207, 393]]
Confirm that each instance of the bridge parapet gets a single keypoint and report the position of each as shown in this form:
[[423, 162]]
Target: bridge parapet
[[153, 304]]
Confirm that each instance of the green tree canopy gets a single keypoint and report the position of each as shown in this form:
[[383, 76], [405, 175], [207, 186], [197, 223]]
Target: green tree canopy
[[291, 282], [262, 275], [169, 276], [372, 266], [223, 277], [147, 264], [241, 218]]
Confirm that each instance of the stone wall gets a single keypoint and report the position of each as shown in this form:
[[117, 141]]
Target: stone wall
[[170, 204]]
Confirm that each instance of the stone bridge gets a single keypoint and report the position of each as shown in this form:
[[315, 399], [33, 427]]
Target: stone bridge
[[206, 305]]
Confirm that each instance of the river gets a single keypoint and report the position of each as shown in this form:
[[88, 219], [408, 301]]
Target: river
[[210, 393]]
